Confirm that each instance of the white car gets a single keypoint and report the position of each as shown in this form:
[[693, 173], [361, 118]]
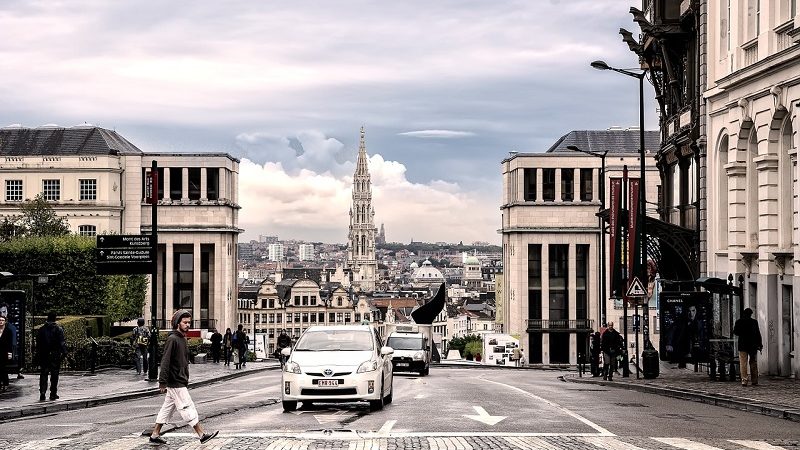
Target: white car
[[338, 363]]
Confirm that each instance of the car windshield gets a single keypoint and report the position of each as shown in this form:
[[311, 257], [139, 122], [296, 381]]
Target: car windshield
[[404, 343], [332, 340]]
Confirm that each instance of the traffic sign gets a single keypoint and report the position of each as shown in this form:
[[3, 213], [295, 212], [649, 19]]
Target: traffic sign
[[124, 240], [125, 255], [636, 289]]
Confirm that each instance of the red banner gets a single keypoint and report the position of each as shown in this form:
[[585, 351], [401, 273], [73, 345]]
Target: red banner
[[615, 236], [633, 231]]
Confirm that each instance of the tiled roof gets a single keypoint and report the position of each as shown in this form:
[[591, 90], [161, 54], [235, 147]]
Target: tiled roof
[[80, 140], [615, 141]]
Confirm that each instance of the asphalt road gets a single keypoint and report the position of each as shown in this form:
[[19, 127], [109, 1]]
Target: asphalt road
[[475, 407]]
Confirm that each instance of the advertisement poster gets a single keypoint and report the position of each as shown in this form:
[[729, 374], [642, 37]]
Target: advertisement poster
[[12, 306], [685, 322]]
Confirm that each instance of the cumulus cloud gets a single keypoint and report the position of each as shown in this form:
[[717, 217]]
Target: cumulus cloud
[[438, 134]]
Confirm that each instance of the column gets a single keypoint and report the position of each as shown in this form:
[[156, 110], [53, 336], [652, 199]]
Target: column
[[571, 301], [195, 281], [539, 185], [203, 184], [185, 185], [576, 185], [558, 185], [166, 184], [595, 182], [168, 273]]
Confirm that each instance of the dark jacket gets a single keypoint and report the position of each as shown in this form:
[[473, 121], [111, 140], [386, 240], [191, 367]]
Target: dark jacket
[[749, 335], [241, 340], [216, 340], [5, 346], [175, 362], [611, 342], [50, 342]]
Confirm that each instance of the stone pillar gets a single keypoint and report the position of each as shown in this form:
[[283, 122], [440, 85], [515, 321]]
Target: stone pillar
[[195, 281], [168, 274], [185, 185], [203, 184], [223, 188], [558, 185], [539, 184], [576, 185], [166, 184]]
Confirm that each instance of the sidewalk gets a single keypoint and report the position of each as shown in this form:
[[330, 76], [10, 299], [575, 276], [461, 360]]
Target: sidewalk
[[78, 390], [774, 396]]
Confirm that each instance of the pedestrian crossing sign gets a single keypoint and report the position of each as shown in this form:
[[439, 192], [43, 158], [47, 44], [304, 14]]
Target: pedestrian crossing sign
[[636, 288]]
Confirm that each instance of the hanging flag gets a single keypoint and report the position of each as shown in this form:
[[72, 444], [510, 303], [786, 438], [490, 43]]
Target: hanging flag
[[615, 240], [634, 244]]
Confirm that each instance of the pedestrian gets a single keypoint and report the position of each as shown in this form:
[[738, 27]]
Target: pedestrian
[[610, 343], [173, 380], [51, 348], [140, 339], [521, 357], [11, 329], [227, 344], [239, 345], [216, 345], [749, 343], [5, 353], [246, 349], [594, 353]]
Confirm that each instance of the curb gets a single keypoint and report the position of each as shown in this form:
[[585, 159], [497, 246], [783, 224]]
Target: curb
[[768, 409], [71, 405]]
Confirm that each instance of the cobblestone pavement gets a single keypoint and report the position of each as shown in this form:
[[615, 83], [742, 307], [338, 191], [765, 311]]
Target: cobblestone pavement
[[772, 393], [109, 383], [510, 442]]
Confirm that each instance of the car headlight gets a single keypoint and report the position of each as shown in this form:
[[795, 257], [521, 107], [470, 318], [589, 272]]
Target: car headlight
[[368, 366], [418, 356], [292, 367]]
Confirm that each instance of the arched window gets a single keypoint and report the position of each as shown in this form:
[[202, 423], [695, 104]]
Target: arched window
[[752, 191], [722, 197], [787, 167]]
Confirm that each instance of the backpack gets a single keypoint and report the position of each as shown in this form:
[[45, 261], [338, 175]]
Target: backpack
[[142, 337]]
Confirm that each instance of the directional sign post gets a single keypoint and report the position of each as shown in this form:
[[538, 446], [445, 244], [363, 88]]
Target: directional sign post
[[636, 288], [125, 254]]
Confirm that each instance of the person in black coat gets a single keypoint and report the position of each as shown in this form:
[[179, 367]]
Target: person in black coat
[[5, 352], [749, 344], [610, 343], [216, 345], [51, 348], [594, 353]]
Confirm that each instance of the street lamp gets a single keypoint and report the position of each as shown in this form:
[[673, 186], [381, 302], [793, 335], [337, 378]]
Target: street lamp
[[602, 157], [649, 355]]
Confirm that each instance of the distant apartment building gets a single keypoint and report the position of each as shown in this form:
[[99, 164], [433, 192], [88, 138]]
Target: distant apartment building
[[245, 251], [276, 252], [551, 240], [95, 178], [305, 252], [264, 239]]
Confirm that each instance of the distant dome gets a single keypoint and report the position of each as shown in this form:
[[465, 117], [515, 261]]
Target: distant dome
[[427, 274], [414, 265], [471, 260]]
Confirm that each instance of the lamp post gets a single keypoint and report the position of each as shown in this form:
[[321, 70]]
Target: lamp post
[[649, 355], [602, 157]]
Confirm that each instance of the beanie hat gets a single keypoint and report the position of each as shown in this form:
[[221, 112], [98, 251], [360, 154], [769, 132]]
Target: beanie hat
[[179, 314]]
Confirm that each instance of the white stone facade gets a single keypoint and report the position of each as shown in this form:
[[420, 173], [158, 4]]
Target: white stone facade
[[752, 101]]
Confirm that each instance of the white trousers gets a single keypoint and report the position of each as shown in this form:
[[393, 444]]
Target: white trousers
[[180, 400]]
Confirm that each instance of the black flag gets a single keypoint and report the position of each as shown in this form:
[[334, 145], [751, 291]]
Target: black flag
[[427, 313]]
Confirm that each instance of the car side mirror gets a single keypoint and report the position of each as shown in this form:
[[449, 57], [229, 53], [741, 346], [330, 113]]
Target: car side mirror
[[286, 351], [386, 351]]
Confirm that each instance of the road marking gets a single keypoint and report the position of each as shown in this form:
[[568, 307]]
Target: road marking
[[288, 444], [484, 416], [128, 443], [420, 396], [531, 443], [686, 444], [338, 416], [368, 444], [610, 443], [601, 430], [44, 444], [449, 443], [386, 428], [757, 445]]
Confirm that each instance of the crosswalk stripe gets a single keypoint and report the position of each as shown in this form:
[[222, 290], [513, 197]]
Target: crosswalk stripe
[[288, 444], [128, 443], [369, 444], [531, 443], [686, 444], [609, 443], [758, 445], [43, 444], [448, 443]]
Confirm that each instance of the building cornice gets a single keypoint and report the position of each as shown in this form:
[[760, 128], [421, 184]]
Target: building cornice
[[147, 229]]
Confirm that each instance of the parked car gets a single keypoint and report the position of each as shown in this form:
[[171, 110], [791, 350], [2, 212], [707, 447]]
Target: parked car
[[343, 363]]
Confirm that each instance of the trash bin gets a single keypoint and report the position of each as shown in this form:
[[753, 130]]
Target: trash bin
[[650, 363]]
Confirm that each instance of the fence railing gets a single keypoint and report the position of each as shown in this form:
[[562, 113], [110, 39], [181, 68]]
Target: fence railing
[[575, 325]]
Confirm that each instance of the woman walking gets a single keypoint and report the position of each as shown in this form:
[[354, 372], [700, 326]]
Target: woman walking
[[5, 353], [227, 346]]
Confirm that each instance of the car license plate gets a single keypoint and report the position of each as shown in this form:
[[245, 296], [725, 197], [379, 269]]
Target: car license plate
[[402, 364], [327, 383]]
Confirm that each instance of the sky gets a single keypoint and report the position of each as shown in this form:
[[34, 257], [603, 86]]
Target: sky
[[445, 90]]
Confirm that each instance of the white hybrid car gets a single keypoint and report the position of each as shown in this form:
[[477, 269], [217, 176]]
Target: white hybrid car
[[338, 363]]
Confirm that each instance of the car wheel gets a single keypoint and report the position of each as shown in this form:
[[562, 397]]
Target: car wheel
[[390, 397], [377, 405], [289, 405]]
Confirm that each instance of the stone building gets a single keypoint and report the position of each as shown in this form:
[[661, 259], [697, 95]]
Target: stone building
[[362, 233]]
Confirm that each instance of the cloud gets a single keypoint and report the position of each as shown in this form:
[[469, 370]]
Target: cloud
[[437, 134]]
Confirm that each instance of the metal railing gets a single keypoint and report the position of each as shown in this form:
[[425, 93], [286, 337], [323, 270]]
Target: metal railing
[[560, 324], [163, 324]]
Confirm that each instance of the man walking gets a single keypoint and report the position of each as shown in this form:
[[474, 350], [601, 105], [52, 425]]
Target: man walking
[[216, 345], [174, 379], [749, 343], [610, 343], [51, 347], [141, 339]]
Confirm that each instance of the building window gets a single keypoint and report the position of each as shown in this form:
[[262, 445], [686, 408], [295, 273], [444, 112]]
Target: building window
[[183, 280], [331, 317], [347, 317], [586, 185], [289, 317], [13, 190], [175, 183], [305, 300], [194, 183], [321, 317], [567, 184], [279, 318], [212, 184], [313, 317], [559, 297], [529, 192], [358, 317], [305, 317], [88, 189], [313, 300], [339, 317], [87, 230], [581, 281], [548, 185], [51, 189], [297, 300], [534, 281]]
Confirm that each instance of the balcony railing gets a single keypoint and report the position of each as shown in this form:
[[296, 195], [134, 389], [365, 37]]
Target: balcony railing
[[564, 325], [196, 324]]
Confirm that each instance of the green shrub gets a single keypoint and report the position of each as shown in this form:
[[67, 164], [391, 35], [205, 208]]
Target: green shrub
[[473, 348]]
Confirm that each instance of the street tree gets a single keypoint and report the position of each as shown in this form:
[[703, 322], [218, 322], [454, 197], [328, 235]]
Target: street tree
[[40, 219]]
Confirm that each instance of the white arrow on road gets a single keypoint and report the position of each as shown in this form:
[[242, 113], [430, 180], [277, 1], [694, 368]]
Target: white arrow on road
[[484, 417]]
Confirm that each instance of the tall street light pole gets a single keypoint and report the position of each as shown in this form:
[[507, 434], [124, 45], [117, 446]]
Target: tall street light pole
[[602, 157], [649, 355]]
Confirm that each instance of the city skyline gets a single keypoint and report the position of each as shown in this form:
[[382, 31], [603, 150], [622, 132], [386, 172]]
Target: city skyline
[[445, 91]]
